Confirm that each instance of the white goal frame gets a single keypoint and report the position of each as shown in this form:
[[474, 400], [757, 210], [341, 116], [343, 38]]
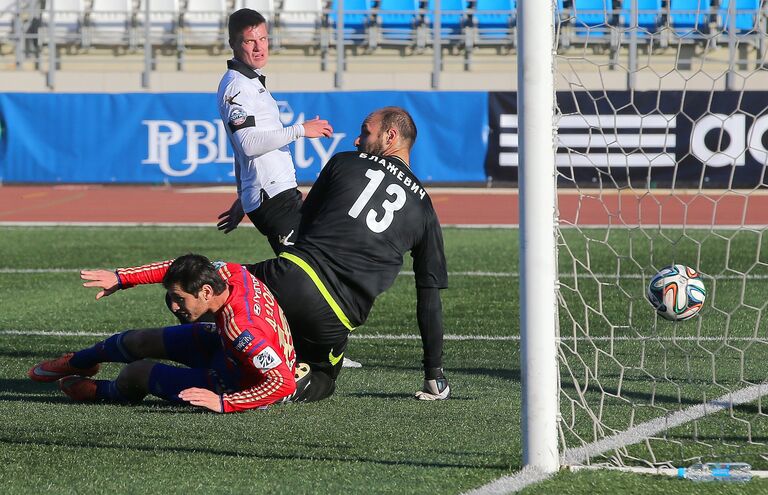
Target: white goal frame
[[538, 246]]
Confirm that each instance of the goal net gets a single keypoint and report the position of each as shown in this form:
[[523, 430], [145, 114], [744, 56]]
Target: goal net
[[661, 152]]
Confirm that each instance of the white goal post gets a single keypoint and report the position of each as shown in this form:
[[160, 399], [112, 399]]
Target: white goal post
[[538, 267]]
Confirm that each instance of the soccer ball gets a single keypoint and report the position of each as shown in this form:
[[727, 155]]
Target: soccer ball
[[677, 292]]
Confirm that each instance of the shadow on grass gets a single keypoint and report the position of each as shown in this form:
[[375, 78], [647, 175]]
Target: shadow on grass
[[660, 400], [398, 396], [32, 356], [25, 386], [25, 390], [505, 374], [271, 455]]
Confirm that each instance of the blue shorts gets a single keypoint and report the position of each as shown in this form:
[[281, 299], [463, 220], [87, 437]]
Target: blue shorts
[[198, 346]]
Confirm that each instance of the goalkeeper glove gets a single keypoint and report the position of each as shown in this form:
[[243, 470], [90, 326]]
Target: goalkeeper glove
[[435, 385]]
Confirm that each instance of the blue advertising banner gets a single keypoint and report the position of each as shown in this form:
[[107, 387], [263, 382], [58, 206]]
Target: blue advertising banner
[[179, 137]]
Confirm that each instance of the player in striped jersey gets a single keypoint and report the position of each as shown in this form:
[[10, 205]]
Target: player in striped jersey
[[243, 361]]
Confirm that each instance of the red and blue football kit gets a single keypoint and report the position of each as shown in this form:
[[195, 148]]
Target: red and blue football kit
[[249, 360]]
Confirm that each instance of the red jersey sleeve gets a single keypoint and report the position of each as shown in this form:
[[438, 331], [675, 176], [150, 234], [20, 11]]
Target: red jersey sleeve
[[274, 387], [152, 273]]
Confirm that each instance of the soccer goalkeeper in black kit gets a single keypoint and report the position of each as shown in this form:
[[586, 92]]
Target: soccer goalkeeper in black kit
[[364, 212]]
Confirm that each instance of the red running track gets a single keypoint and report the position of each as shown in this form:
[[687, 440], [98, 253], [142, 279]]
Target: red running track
[[166, 204]]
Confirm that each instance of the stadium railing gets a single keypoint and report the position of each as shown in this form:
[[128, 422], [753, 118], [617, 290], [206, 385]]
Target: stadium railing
[[183, 29]]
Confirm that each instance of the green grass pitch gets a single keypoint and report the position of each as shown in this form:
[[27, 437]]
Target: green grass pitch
[[371, 436]]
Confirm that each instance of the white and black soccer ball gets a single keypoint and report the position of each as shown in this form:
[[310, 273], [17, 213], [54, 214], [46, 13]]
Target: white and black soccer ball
[[677, 292]]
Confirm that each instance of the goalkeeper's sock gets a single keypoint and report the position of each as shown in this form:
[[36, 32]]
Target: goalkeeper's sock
[[110, 350], [107, 390]]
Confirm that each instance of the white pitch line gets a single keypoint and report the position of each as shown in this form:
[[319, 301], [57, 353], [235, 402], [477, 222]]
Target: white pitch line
[[22, 271], [581, 455], [637, 434], [452, 337], [207, 224], [564, 225], [529, 475], [596, 276], [67, 333]]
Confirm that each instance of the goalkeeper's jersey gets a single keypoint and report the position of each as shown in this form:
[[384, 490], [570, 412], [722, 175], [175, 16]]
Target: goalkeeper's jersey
[[361, 216], [254, 333]]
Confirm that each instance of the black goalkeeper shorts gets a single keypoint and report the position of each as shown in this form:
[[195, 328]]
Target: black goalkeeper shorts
[[318, 336]]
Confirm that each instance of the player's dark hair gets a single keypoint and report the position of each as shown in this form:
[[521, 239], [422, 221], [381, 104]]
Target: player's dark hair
[[191, 272], [241, 19], [401, 120]]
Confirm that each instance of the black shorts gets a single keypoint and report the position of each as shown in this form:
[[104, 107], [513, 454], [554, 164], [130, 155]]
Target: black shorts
[[278, 218], [317, 332]]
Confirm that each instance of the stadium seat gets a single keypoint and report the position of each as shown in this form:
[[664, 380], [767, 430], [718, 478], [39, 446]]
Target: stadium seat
[[454, 17], [746, 19], [593, 21], [748, 29], [649, 16], [110, 23], [67, 23], [494, 22], [689, 19], [8, 13], [299, 22], [163, 21], [263, 7], [357, 19], [204, 23], [398, 22]]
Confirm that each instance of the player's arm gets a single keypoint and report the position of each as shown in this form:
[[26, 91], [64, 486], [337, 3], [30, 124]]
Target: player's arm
[[256, 142], [274, 388], [240, 114], [429, 314], [431, 274], [264, 357], [124, 278], [277, 384]]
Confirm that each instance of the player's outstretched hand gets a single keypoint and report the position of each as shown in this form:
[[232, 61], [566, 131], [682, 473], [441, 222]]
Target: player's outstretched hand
[[435, 386], [317, 128], [230, 219], [103, 279], [201, 397]]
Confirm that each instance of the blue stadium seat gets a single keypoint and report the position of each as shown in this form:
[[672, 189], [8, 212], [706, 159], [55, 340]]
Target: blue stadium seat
[[398, 21], [649, 16], [357, 18], [593, 18], [453, 18], [689, 19], [746, 19], [494, 21]]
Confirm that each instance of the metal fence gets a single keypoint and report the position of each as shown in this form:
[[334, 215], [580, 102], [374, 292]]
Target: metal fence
[[41, 32]]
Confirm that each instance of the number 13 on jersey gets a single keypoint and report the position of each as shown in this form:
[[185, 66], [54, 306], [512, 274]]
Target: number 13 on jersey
[[389, 206]]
